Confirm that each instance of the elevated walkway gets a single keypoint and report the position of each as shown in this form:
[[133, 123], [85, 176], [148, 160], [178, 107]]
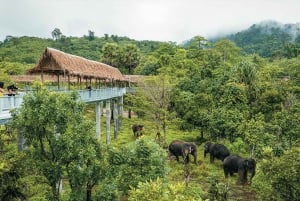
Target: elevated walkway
[[7, 103]]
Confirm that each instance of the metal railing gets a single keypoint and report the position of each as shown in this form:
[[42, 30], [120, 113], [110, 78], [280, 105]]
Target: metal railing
[[8, 103]]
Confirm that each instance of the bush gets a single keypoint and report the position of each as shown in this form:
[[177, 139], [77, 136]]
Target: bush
[[278, 178], [137, 162], [158, 190]]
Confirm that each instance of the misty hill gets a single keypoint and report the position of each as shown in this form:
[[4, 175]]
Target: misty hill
[[267, 38]]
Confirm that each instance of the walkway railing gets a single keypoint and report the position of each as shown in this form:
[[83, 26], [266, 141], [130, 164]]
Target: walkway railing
[[8, 103]]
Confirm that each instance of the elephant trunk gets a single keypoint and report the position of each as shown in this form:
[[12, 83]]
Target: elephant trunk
[[195, 158]]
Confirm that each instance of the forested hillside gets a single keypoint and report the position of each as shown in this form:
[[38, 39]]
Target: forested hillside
[[269, 39], [242, 93]]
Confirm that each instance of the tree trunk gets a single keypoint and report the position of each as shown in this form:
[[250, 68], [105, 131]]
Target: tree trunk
[[88, 192], [129, 113]]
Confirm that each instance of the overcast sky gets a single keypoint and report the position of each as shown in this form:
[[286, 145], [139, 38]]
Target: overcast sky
[[161, 20]]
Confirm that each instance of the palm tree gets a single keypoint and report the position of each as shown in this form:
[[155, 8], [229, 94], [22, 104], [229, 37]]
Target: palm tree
[[130, 57]]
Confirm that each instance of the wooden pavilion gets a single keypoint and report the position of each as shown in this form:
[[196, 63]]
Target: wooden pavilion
[[63, 65]]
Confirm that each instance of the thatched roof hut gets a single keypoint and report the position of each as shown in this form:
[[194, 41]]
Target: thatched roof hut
[[55, 62]]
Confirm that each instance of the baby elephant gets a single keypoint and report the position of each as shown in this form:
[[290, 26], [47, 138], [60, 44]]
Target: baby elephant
[[137, 130], [182, 148], [218, 151]]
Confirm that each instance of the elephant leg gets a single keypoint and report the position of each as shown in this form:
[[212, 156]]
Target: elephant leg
[[226, 173], [187, 159], [241, 179], [211, 158], [245, 177], [177, 158], [195, 159]]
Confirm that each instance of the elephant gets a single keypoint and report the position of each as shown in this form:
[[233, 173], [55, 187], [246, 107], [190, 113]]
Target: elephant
[[218, 151], [137, 130], [182, 148], [236, 164]]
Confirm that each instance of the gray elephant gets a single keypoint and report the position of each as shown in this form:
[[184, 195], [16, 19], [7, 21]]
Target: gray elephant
[[137, 130], [184, 149], [236, 164], [218, 151]]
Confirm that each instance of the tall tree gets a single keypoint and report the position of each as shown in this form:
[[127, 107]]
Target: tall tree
[[111, 54], [198, 42], [130, 57], [156, 92], [229, 50], [59, 138]]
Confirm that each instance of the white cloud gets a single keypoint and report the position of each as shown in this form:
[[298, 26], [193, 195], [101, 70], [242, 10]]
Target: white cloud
[[164, 20]]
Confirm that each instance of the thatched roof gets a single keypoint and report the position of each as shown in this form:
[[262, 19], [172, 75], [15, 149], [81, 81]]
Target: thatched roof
[[55, 62]]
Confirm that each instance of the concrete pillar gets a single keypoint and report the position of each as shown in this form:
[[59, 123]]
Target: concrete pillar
[[120, 112], [108, 116], [116, 115], [21, 141], [98, 119]]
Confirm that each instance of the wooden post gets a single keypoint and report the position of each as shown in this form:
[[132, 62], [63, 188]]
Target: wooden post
[[58, 85], [108, 116], [98, 119], [42, 76], [69, 87]]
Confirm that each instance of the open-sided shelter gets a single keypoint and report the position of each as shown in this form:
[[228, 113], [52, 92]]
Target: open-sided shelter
[[61, 64]]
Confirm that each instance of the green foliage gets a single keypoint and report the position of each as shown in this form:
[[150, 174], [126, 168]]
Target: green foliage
[[264, 39], [278, 178], [161, 191], [250, 102], [197, 42], [11, 172], [121, 56], [155, 94], [137, 162], [218, 191], [23, 50], [238, 146], [111, 54], [62, 140], [228, 49], [148, 66], [130, 57]]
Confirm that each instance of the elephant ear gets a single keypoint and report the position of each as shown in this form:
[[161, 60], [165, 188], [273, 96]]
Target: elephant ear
[[188, 150], [251, 163], [245, 164], [193, 145], [207, 145]]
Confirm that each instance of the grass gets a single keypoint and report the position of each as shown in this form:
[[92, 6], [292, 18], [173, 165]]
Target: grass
[[201, 175]]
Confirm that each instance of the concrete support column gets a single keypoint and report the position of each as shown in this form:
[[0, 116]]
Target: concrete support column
[[120, 112], [116, 116], [21, 141], [98, 119], [108, 117]]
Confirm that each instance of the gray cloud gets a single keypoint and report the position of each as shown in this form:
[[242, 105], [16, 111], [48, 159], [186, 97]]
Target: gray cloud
[[163, 20]]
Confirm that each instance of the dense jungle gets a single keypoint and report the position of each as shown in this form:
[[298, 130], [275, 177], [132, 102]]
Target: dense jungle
[[240, 90]]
